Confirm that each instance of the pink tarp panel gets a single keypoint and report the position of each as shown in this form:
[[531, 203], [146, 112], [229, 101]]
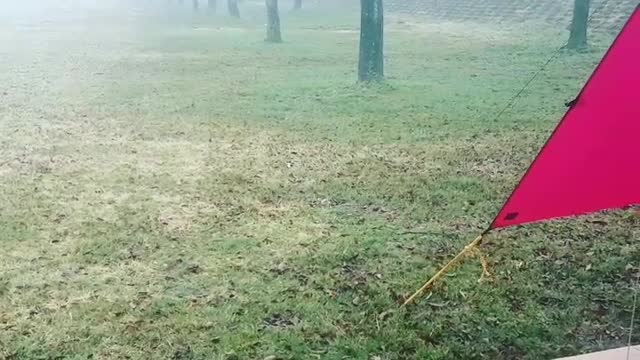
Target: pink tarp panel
[[592, 160]]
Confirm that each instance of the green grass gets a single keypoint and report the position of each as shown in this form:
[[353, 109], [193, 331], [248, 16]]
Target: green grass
[[181, 189]]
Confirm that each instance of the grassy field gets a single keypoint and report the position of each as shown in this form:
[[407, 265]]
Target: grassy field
[[179, 189]]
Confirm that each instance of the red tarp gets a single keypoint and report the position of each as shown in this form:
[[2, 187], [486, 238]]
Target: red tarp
[[592, 160]]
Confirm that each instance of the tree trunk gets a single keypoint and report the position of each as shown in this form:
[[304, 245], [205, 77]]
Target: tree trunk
[[273, 22], [297, 5], [233, 8], [579, 25], [196, 5], [212, 5], [371, 65]]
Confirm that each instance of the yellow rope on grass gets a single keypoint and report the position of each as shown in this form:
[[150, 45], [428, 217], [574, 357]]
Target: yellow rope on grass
[[486, 274], [471, 249]]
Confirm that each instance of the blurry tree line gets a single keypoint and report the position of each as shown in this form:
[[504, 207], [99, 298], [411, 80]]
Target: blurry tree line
[[371, 55], [232, 6]]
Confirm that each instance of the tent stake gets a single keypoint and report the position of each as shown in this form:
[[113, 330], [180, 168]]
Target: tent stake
[[445, 269]]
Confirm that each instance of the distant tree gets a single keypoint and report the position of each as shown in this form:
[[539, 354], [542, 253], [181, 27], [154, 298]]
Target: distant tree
[[273, 22], [371, 64], [579, 25], [196, 5], [212, 5], [233, 8], [297, 5]]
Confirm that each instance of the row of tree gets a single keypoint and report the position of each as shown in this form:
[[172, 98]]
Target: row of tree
[[212, 5], [371, 59], [232, 6]]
